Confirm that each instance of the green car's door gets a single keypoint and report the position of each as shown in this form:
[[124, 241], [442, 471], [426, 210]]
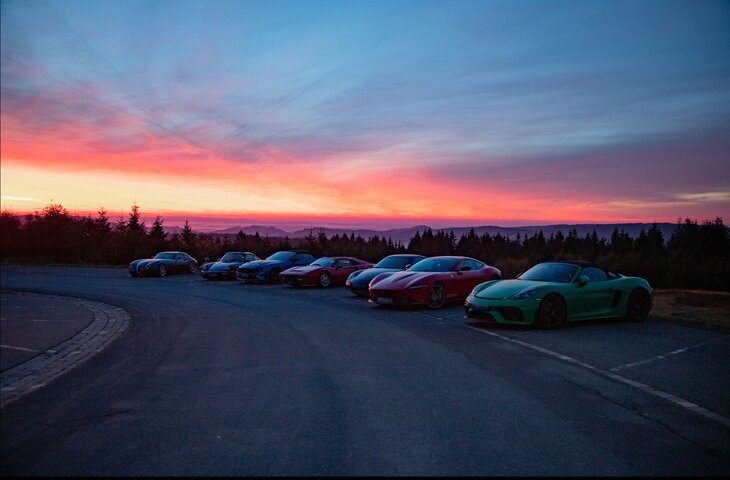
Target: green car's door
[[592, 298]]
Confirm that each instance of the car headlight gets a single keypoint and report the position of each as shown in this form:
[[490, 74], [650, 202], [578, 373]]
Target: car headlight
[[524, 294]]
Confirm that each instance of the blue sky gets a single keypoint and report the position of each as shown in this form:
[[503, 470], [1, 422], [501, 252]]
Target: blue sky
[[622, 107]]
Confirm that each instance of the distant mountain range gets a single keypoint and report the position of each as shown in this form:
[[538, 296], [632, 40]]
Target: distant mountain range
[[404, 235]]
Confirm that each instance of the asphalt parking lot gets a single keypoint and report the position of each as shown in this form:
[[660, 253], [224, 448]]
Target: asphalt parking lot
[[229, 378]]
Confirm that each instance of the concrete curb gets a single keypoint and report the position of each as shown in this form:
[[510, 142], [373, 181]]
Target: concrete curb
[[109, 323]]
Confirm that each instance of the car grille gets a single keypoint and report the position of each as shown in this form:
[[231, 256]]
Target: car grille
[[511, 314]]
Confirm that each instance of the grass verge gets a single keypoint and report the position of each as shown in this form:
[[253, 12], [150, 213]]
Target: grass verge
[[693, 307]]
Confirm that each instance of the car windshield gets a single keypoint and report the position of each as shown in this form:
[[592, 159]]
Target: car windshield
[[435, 265], [323, 262], [165, 256], [550, 272], [396, 262], [231, 257], [285, 255]]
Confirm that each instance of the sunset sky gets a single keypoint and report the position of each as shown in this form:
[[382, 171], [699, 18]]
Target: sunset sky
[[368, 113]]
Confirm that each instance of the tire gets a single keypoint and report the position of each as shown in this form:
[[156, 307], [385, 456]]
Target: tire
[[552, 313], [638, 306], [192, 267], [325, 279], [134, 274], [161, 271], [436, 296], [274, 276]]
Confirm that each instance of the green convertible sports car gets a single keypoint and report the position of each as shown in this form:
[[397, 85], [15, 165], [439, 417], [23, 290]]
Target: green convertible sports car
[[552, 293]]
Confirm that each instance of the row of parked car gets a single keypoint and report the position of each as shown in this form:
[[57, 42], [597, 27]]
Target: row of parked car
[[547, 295]]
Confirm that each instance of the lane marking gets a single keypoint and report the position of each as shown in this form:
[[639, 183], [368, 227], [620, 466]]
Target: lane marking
[[19, 348], [57, 321], [686, 404], [665, 355]]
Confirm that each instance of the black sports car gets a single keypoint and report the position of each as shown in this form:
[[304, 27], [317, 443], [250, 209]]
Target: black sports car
[[164, 263], [225, 267], [357, 283]]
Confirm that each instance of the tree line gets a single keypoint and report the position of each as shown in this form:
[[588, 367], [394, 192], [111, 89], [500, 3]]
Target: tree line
[[696, 256]]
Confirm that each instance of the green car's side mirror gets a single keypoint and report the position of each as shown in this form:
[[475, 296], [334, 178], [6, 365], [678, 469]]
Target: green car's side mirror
[[582, 280]]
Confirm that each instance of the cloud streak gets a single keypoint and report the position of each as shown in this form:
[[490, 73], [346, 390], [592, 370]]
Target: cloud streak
[[399, 109]]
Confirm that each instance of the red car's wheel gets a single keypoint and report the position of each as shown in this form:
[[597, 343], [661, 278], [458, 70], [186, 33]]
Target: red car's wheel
[[552, 312], [162, 270], [436, 296], [192, 267], [325, 279]]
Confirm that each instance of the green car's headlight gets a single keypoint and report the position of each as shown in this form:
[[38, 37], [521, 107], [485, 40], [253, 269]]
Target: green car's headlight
[[524, 294]]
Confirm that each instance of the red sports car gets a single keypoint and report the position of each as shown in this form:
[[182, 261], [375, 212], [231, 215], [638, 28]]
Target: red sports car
[[323, 272], [433, 282]]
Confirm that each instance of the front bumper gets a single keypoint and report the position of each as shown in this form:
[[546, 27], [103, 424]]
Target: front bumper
[[399, 298], [501, 311], [296, 280], [357, 289], [218, 274], [252, 275]]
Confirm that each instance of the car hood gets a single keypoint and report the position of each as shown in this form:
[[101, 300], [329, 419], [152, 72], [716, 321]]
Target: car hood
[[507, 288], [368, 274], [222, 266], [263, 264], [146, 261], [400, 280], [303, 270]]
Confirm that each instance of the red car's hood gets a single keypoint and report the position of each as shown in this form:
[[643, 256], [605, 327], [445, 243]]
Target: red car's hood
[[303, 270], [406, 279]]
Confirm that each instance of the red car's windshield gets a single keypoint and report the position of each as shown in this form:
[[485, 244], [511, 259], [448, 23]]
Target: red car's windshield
[[435, 265]]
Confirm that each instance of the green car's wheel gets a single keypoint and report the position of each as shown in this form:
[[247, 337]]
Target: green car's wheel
[[274, 276], [325, 279], [436, 296], [638, 306], [552, 312], [161, 270]]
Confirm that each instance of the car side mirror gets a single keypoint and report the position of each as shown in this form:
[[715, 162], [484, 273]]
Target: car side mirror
[[582, 280]]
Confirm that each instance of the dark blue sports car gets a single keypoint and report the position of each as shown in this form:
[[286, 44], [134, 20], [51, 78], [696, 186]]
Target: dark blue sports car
[[163, 264], [226, 266], [357, 283], [267, 271]]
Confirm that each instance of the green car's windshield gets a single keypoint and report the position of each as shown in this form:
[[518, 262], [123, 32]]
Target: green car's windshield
[[443, 264], [397, 262], [550, 272], [281, 256]]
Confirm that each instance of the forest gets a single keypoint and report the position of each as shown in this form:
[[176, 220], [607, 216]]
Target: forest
[[696, 256]]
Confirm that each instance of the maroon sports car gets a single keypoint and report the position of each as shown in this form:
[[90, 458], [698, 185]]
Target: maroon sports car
[[323, 272], [432, 282]]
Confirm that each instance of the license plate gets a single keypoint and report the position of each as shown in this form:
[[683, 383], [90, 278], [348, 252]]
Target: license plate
[[383, 300]]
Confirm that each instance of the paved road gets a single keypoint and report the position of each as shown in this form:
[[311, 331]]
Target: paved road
[[222, 378]]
